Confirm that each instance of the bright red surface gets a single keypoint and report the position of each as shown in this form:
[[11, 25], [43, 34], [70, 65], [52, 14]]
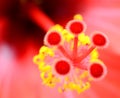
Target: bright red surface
[[62, 67], [99, 40], [54, 38], [76, 27], [96, 70]]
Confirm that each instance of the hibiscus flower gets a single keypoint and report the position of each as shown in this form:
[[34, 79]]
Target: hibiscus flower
[[21, 39]]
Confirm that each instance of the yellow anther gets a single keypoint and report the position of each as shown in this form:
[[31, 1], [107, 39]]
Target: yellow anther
[[94, 55], [83, 87], [41, 56], [72, 86], [44, 68], [98, 61], [42, 75], [49, 79], [45, 77], [51, 53], [36, 59], [84, 74], [78, 17], [83, 39], [79, 90], [67, 79], [67, 36], [86, 86], [57, 27], [53, 81], [45, 50], [87, 40], [41, 64]]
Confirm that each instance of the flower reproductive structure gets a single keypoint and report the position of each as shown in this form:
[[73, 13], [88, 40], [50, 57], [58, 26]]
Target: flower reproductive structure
[[69, 59]]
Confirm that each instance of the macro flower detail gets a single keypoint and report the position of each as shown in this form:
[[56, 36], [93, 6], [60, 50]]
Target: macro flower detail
[[69, 59]]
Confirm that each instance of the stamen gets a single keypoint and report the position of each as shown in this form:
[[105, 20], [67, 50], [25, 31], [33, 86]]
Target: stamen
[[68, 66], [64, 52], [79, 59]]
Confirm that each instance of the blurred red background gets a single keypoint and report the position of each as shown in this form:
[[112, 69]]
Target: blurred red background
[[21, 38]]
